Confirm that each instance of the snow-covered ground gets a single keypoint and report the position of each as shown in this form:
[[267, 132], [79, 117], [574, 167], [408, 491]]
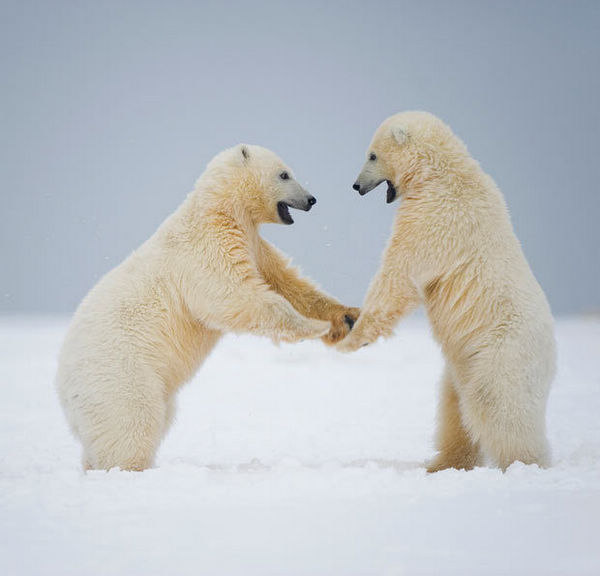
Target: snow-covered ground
[[297, 460]]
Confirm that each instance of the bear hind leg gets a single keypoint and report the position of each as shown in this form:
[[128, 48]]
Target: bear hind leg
[[131, 446], [511, 440], [455, 447], [129, 432], [509, 428]]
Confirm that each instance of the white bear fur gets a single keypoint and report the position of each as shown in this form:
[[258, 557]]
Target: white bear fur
[[453, 249], [147, 325]]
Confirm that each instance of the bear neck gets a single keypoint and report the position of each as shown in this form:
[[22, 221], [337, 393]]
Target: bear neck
[[232, 203], [438, 171]]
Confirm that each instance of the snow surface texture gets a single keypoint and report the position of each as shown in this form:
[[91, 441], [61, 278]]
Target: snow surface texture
[[297, 460]]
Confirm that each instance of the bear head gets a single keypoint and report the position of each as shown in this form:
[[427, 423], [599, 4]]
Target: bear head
[[405, 148], [256, 181]]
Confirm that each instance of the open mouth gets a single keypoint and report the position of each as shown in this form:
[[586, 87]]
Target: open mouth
[[391, 193], [283, 210]]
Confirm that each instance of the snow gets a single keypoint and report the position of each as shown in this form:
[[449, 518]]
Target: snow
[[296, 460]]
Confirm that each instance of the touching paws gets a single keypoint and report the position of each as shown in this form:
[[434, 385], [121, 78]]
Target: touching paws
[[341, 325], [365, 332], [350, 344]]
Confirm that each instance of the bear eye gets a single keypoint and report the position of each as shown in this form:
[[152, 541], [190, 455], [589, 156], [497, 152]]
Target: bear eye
[[372, 157], [284, 176]]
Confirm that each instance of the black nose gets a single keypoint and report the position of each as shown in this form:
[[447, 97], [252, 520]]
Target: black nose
[[356, 186], [312, 200]]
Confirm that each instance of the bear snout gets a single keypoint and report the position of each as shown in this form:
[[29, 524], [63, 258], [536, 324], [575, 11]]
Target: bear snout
[[310, 202], [307, 205]]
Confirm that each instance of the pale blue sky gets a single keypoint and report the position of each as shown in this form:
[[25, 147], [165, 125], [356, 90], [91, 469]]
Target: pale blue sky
[[111, 110]]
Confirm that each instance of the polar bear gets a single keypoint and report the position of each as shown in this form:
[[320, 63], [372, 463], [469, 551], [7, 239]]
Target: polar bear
[[146, 327], [453, 248]]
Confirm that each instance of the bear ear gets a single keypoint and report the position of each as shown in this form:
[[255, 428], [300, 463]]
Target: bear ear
[[245, 152], [400, 134]]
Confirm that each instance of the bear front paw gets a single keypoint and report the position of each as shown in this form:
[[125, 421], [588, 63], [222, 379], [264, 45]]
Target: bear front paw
[[341, 325], [350, 344]]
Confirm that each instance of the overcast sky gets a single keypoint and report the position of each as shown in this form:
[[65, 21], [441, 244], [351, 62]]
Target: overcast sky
[[111, 110]]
